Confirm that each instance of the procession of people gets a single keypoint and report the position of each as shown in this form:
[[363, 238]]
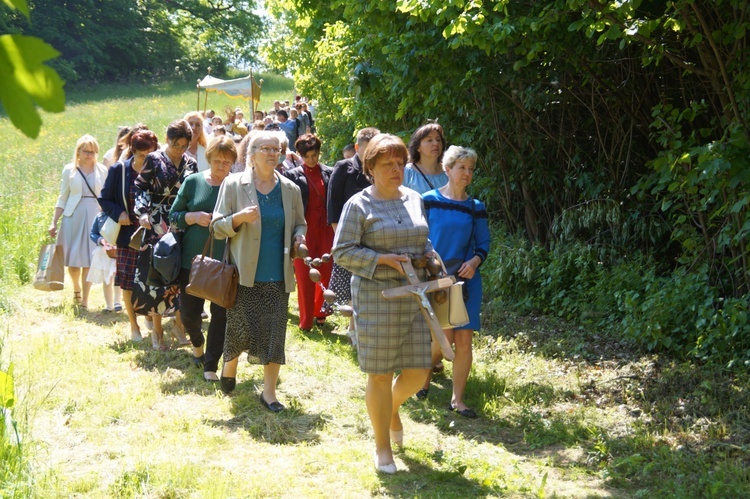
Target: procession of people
[[340, 236]]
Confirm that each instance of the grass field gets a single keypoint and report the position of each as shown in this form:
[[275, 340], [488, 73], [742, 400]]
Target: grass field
[[565, 411]]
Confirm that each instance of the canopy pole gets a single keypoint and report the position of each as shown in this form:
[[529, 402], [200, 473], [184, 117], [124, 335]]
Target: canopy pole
[[198, 87], [252, 100], [205, 102]]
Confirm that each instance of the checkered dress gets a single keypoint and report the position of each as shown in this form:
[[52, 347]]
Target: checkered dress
[[392, 334]]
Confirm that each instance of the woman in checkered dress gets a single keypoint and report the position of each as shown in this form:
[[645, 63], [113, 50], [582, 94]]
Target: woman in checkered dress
[[380, 227], [118, 202]]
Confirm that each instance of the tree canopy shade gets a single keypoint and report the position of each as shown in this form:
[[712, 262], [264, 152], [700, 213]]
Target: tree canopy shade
[[108, 40], [621, 126], [569, 102]]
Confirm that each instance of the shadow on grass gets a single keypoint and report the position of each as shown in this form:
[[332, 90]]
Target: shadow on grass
[[289, 427], [422, 480]]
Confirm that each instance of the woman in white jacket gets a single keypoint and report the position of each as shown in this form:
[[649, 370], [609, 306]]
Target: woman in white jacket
[[82, 181]]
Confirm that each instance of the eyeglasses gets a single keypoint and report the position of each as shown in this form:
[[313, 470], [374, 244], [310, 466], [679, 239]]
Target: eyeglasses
[[269, 150], [84, 151], [179, 147]]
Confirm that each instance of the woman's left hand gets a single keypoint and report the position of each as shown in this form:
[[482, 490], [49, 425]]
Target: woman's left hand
[[198, 218], [468, 269]]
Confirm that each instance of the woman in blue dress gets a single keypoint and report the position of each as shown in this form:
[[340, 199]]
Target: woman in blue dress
[[424, 171], [460, 233]]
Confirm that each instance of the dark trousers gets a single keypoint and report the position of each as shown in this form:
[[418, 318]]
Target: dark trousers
[[191, 308]]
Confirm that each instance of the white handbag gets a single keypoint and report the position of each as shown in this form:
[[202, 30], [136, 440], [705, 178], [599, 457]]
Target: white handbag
[[111, 229], [452, 312]]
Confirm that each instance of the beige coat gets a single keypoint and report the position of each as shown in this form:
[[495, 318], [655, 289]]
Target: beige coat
[[238, 192], [73, 188]]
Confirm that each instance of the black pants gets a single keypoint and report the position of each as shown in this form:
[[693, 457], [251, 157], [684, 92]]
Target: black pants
[[191, 308]]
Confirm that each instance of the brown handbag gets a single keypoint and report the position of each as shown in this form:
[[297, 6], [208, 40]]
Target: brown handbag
[[214, 280]]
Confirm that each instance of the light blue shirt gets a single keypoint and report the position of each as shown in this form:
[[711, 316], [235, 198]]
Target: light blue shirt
[[415, 180]]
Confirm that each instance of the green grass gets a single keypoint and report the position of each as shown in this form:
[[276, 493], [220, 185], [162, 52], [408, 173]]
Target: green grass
[[565, 411], [30, 169]]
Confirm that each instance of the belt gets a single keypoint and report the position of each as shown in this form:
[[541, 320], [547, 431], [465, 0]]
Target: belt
[[89, 197]]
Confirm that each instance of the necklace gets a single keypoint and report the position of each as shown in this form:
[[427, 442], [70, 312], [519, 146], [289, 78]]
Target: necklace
[[388, 206]]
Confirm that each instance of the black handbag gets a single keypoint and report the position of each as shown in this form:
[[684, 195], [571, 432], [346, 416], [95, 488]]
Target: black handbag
[[166, 259]]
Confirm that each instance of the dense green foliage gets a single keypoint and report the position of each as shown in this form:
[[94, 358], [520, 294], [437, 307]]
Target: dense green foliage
[[112, 40], [614, 132]]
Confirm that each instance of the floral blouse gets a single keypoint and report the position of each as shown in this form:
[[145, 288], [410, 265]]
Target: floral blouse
[[157, 186]]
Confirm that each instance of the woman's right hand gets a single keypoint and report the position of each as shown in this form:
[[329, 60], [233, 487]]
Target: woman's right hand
[[198, 217], [393, 261], [145, 221], [124, 219], [247, 215], [52, 230]]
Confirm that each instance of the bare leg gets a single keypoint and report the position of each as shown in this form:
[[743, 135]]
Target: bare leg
[[461, 366], [75, 278], [379, 400], [229, 369], [270, 378], [157, 336], [437, 355], [109, 291], [405, 385], [179, 330], [118, 294], [135, 330], [86, 287]]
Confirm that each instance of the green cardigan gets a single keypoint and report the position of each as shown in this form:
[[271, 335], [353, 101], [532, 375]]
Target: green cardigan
[[195, 194]]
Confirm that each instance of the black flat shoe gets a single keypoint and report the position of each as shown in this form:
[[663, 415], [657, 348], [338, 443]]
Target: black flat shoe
[[467, 413], [273, 406], [199, 361], [227, 384], [422, 394]]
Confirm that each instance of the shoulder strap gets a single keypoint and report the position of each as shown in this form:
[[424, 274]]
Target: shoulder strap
[[473, 224], [423, 176], [124, 199], [87, 183]]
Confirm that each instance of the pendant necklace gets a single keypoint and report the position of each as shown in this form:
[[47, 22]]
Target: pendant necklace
[[395, 214]]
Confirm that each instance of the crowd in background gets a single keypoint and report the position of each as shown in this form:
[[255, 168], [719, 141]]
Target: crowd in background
[[259, 187]]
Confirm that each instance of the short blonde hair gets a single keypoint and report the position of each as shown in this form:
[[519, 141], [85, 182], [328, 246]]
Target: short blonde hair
[[221, 145], [86, 140], [201, 133], [455, 154]]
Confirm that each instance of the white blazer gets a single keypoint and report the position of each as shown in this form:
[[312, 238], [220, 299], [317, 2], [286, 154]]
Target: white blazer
[[73, 187]]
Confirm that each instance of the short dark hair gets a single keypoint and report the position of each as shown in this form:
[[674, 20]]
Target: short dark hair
[[420, 134], [142, 140], [283, 113], [179, 129], [306, 143], [366, 135]]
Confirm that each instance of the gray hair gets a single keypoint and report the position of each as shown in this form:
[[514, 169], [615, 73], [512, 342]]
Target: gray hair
[[457, 153], [258, 136]]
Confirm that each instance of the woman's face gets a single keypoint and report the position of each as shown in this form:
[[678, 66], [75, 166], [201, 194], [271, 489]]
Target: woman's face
[[177, 147], [388, 173], [140, 155], [266, 154], [461, 173], [87, 155], [311, 158], [197, 127], [221, 164], [431, 146]]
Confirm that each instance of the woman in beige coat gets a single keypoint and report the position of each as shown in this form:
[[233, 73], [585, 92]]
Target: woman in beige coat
[[82, 181], [261, 213]]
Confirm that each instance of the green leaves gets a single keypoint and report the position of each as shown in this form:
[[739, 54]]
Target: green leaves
[[7, 390], [18, 5], [28, 81]]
